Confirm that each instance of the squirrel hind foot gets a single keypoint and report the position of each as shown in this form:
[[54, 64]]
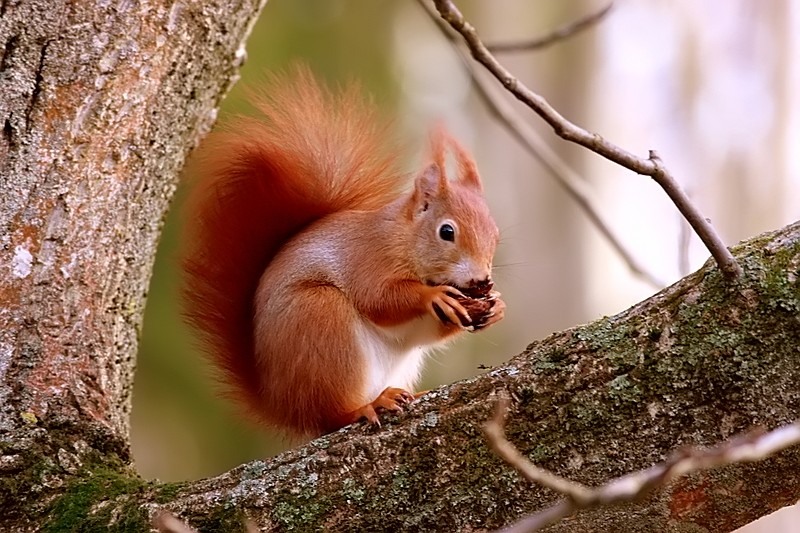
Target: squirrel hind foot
[[391, 399]]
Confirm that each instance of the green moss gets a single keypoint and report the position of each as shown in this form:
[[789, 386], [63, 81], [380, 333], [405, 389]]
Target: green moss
[[352, 491], [543, 367], [584, 415], [622, 361], [29, 418], [400, 481], [35, 469], [254, 470], [654, 333], [167, 492], [720, 327], [303, 509], [540, 453], [550, 362], [299, 514], [556, 355], [601, 334], [624, 391], [781, 291], [222, 519], [101, 500]]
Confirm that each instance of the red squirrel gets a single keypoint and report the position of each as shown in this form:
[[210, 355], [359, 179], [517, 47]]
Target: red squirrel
[[316, 282]]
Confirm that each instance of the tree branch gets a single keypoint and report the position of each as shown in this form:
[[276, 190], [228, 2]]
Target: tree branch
[[560, 34], [692, 366], [652, 166], [557, 168], [753, 447]]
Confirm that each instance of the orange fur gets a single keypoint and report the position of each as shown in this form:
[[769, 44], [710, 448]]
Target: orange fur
[[305, 260]]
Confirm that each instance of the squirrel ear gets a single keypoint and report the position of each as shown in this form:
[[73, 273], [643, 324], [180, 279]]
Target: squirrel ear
[[439, 139], [467, 169], [430, 183]]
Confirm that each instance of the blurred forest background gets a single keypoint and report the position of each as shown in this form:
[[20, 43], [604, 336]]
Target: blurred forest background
[[712, 85]]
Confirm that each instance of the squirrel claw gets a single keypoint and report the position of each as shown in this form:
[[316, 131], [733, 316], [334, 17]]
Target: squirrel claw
[[452, 291], [391, 399], [445, 299], [369, 413], [495, 315]]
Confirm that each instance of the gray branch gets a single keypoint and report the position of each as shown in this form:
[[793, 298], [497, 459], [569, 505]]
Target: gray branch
[[696, 364], [651, 166]]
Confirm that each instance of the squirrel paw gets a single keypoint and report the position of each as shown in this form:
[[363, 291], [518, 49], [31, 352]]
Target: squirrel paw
[[391, 399], [496, 312], [443, 300]]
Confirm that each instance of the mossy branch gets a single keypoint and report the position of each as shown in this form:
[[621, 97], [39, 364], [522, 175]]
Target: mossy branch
[[693, 365]]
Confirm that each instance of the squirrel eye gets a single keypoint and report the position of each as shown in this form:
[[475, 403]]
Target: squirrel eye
[[447, 232]]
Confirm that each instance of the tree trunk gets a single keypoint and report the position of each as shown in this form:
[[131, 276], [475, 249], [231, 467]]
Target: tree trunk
[[100, 106], [100, 102]]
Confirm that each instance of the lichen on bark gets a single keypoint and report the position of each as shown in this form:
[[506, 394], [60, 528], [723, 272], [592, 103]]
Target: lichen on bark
[[695, 364]]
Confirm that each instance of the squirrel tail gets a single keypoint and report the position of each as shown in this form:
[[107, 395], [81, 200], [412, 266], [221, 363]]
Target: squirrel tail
[[257, 183]]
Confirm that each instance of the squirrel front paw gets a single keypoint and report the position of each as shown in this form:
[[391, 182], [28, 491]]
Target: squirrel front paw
[[443, 303], [495, 310]]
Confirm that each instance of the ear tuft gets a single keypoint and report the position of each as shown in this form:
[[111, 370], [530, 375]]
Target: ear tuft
[[467, 169], [438, 140]]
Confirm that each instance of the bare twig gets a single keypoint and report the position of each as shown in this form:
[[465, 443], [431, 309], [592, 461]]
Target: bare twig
[[684, 240], [746, 448], [507, 452], [166, 522], [565, 176], [652, 166], [559, 34]]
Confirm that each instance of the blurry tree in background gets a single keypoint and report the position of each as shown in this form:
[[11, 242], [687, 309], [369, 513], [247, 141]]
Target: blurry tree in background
[[707, 84]]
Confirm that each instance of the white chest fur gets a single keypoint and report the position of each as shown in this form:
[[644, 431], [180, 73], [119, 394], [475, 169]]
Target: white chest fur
[[393, 356]]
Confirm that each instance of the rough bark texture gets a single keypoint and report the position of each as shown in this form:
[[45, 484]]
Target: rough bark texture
[[100, 102], [695, 364], [99, 105]]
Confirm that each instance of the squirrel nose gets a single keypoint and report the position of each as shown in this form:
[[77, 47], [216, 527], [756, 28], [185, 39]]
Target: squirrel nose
[[481, 283]]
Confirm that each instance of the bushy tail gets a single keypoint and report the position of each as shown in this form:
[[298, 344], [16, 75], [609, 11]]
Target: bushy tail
[[256, 184]]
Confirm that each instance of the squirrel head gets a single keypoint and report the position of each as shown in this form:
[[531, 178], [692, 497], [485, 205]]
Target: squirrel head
[[454, 234]]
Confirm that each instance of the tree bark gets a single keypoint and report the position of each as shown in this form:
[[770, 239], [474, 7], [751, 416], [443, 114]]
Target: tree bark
[[100, 102], [100, 106], [695, 364]]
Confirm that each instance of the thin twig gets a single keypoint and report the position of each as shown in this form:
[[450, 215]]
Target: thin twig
[[559, 34], [508, 453], [166, 522], [652, 166], [746, 448], [573, 184], [684, 240]]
